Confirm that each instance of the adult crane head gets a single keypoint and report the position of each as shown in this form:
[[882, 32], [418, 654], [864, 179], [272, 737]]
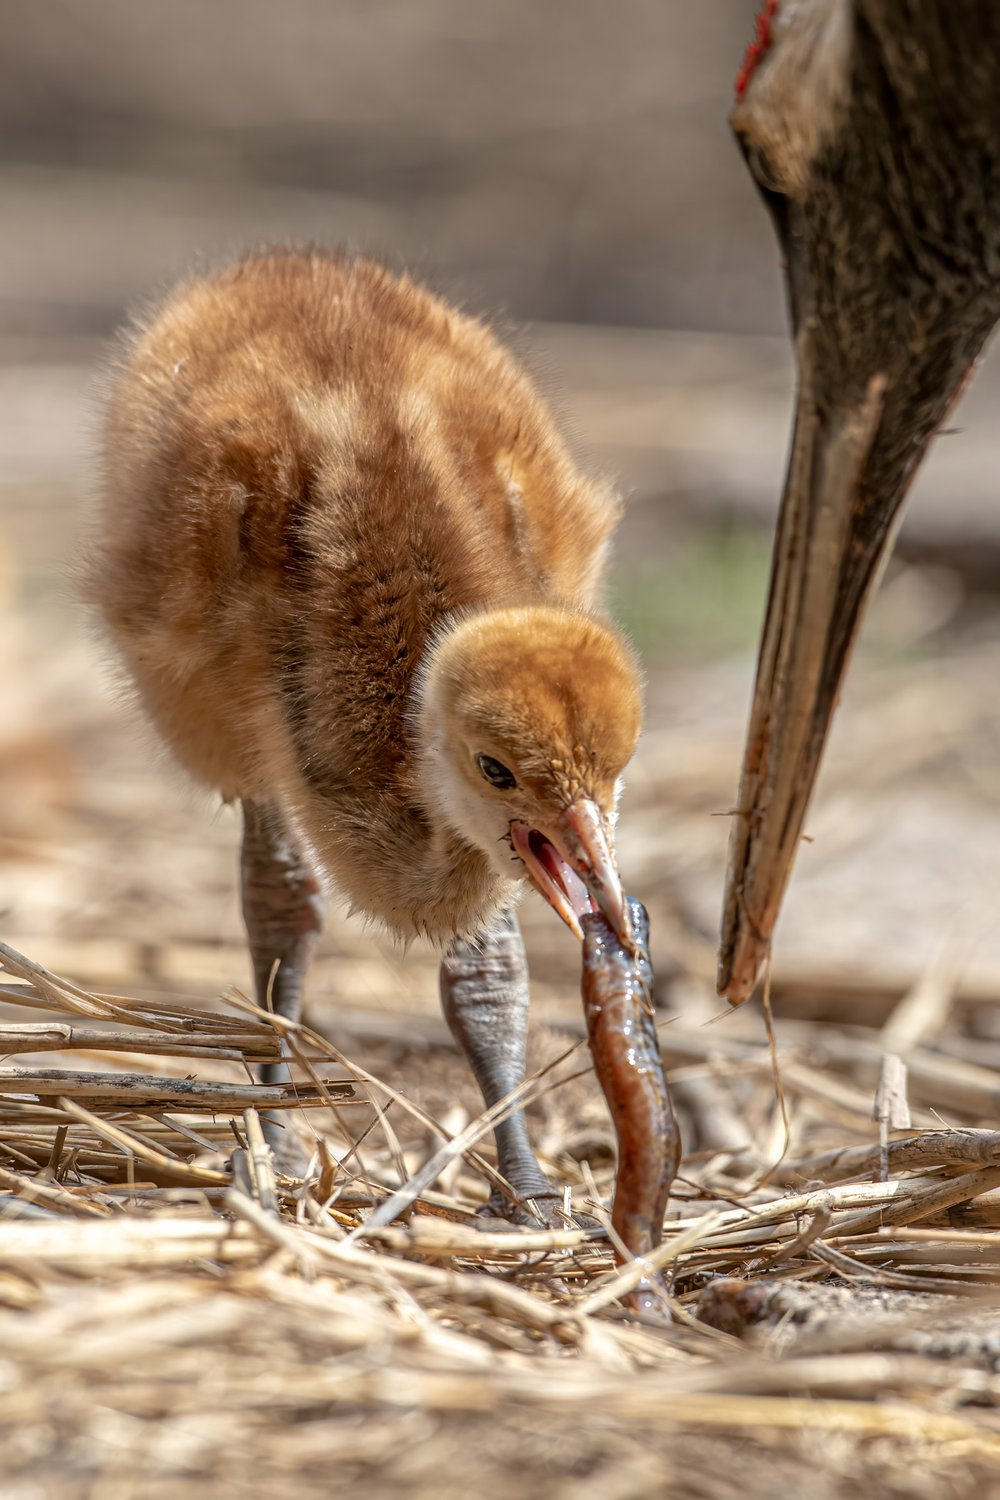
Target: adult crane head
[[872, 130]]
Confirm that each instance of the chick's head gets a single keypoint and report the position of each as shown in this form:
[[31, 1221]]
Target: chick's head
[[527, 717]]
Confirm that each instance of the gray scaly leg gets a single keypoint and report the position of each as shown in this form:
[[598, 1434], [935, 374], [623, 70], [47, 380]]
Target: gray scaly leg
[[283, 905], [484, 995]]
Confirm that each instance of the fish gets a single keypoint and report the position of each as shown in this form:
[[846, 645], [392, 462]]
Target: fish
[[616, 988]]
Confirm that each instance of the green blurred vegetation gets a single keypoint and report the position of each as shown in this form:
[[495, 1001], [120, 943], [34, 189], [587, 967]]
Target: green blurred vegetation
[[700, 599]]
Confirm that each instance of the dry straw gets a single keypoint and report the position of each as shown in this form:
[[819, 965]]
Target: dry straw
[[174, 1308]]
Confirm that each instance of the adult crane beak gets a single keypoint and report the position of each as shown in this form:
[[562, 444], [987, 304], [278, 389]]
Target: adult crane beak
[[892, 290], [831, 538], [572, 864], [850, 468]]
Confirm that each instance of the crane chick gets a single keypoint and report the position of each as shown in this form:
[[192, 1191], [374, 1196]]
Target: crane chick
[[353, 574]]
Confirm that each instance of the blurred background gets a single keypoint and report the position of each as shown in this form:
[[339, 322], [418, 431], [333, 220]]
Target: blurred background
[[567, 169]]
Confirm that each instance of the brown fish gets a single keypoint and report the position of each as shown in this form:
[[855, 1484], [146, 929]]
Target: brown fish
[[617, 985]]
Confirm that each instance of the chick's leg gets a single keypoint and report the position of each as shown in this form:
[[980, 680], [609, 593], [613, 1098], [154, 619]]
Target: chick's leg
[[484, 995], [282, 898]]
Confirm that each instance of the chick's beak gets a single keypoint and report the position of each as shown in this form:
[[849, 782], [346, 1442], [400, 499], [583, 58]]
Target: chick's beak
[[572, 864]]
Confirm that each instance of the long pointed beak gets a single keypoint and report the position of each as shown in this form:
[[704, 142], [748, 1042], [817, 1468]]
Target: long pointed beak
[[572, 864], [887, 329], [830, 541]]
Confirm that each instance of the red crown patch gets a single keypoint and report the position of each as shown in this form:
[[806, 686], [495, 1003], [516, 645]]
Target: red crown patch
[[758, 47]]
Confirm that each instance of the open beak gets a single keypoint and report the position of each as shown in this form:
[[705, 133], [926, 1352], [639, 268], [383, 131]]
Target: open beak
[[572, 864], [832, 535]]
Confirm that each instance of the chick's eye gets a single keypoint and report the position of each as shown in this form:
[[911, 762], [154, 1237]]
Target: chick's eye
[[495, 773]]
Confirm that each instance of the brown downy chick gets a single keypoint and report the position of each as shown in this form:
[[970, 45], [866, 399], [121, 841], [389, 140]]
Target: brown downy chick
[[352, 572]]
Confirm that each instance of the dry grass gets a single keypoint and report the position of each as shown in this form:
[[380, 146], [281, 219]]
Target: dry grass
[[173, 1310]]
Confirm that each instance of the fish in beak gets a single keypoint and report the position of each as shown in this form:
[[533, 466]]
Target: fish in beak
[[891, 300], [572, 864]]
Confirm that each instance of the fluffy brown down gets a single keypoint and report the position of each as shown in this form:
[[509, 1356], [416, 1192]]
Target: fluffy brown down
[[309, 465]]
